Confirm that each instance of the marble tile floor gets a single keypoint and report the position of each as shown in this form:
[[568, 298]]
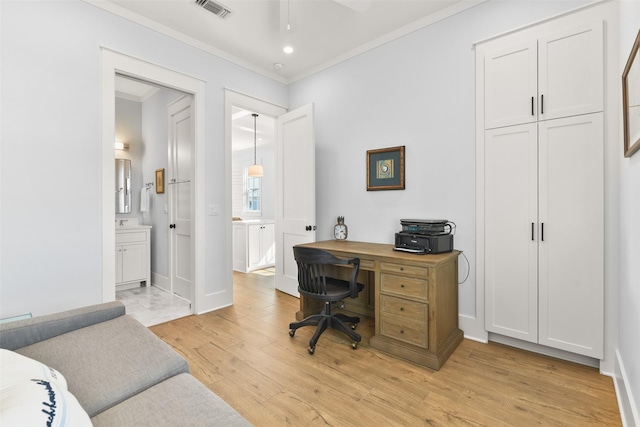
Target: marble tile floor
[[151, 305]]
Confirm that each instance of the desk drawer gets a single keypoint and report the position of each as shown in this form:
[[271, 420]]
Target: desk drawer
[[404, 286], [409, 270], [403, 330], [411, 310]]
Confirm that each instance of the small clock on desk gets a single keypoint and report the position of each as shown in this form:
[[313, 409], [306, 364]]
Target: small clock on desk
[[340, 231]]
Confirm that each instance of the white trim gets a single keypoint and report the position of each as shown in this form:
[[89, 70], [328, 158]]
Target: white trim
[[389, 37], [547, 351], [540, 21], [176, 35], [160, 281], [629, 412], [393, 35], [115, 62]]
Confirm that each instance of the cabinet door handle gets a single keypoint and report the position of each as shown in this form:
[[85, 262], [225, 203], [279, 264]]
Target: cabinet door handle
[[172, 226], [532, 238], [541, 104], [532, 101], [542, 231]]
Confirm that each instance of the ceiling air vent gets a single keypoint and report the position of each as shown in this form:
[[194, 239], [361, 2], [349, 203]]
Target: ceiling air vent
[[214, 7]]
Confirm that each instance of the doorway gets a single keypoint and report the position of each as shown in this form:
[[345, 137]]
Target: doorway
[[253, 199], [154, 124], [116, 63]]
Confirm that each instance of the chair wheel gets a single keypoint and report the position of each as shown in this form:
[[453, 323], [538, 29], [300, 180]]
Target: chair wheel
[[354, 345], [354, 326], [311, 350], [292, 332]]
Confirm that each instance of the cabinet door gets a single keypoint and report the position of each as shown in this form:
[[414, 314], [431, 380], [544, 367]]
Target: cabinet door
[[510, 85], [511, 305], [119, 264], [268, 243], [253, 246], [134, 262], [571, 280], [571, 71]]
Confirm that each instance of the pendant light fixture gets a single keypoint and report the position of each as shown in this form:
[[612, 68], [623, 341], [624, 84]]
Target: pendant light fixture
[[255, 169]]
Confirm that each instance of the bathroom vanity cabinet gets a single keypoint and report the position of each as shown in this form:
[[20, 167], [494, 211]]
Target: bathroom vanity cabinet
[[133, 252]]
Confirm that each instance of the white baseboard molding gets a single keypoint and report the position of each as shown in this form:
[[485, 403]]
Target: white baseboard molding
[[472, 328], [547, 351], [161, 281], [628, 410]]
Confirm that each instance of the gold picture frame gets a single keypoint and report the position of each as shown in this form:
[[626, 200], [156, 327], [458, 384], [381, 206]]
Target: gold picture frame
[[160, 181], [631, 100], [385, 169]]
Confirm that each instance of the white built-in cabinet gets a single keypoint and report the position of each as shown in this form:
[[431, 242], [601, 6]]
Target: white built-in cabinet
[[133, 256], [540, 174], [253, 245]]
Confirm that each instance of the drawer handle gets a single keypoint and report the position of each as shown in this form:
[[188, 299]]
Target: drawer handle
[[402, 285], [402, 331], [401, 308], [401, 268]]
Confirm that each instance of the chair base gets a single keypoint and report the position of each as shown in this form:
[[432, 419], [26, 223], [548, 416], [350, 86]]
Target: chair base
[[326, 320]]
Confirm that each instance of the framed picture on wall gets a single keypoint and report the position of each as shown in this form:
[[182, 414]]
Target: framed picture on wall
[[160, 181], [631, 100], [385, 169]]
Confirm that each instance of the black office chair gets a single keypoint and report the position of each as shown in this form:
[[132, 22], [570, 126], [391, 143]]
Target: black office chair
[[314, 283]]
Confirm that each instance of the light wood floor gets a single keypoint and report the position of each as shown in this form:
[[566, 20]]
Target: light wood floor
[[245, 355]]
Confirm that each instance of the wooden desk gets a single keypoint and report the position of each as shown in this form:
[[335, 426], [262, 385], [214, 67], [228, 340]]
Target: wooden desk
[[414, 299]]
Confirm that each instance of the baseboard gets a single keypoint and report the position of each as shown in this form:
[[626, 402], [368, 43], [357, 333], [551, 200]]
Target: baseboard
[[547, 351], [628, 409], [161, 281], [472, 328]]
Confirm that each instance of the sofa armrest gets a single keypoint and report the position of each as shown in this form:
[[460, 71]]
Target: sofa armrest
[[21, 333]]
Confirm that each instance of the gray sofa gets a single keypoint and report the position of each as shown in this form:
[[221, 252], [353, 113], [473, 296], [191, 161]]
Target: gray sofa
[[119, 371]]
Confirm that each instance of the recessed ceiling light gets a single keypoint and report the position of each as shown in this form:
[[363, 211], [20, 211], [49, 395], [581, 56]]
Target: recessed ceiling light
[[287, 49]]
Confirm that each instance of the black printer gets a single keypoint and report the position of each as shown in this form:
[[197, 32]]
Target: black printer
[[425, 236]]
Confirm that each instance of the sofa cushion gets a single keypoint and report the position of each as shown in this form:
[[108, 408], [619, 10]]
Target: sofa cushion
[[106, 363], [21, 333], [17, 368], [38, 402], [179, 401]]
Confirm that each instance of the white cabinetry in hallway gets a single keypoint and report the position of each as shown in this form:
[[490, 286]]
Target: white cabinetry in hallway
[[540, 173], [253, 245]]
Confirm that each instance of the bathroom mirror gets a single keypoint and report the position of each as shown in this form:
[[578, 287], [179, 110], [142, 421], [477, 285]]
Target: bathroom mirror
[[123, 186]]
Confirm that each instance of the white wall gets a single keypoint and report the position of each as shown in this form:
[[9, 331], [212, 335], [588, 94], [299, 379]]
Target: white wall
[[417, 91], [51, 166], [629, 305]]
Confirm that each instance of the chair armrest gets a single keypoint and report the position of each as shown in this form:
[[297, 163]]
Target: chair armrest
[[22, 333]]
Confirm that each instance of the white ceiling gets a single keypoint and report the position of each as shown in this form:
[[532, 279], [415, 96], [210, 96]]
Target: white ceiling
[[323, 32]]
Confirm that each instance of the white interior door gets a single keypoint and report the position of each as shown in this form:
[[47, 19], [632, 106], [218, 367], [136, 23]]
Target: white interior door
[[296, 192], [180, 196]]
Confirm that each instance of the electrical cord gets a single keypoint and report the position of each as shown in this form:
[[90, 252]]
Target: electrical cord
[[468, 268]]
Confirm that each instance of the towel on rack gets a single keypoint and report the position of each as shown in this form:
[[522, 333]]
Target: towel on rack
[[144, 199]]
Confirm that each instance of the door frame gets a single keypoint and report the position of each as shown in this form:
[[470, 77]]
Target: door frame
[[115, 62], [236, 99]]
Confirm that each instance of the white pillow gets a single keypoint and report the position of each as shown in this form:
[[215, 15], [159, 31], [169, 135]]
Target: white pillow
[[40, 403], [18, 368]]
